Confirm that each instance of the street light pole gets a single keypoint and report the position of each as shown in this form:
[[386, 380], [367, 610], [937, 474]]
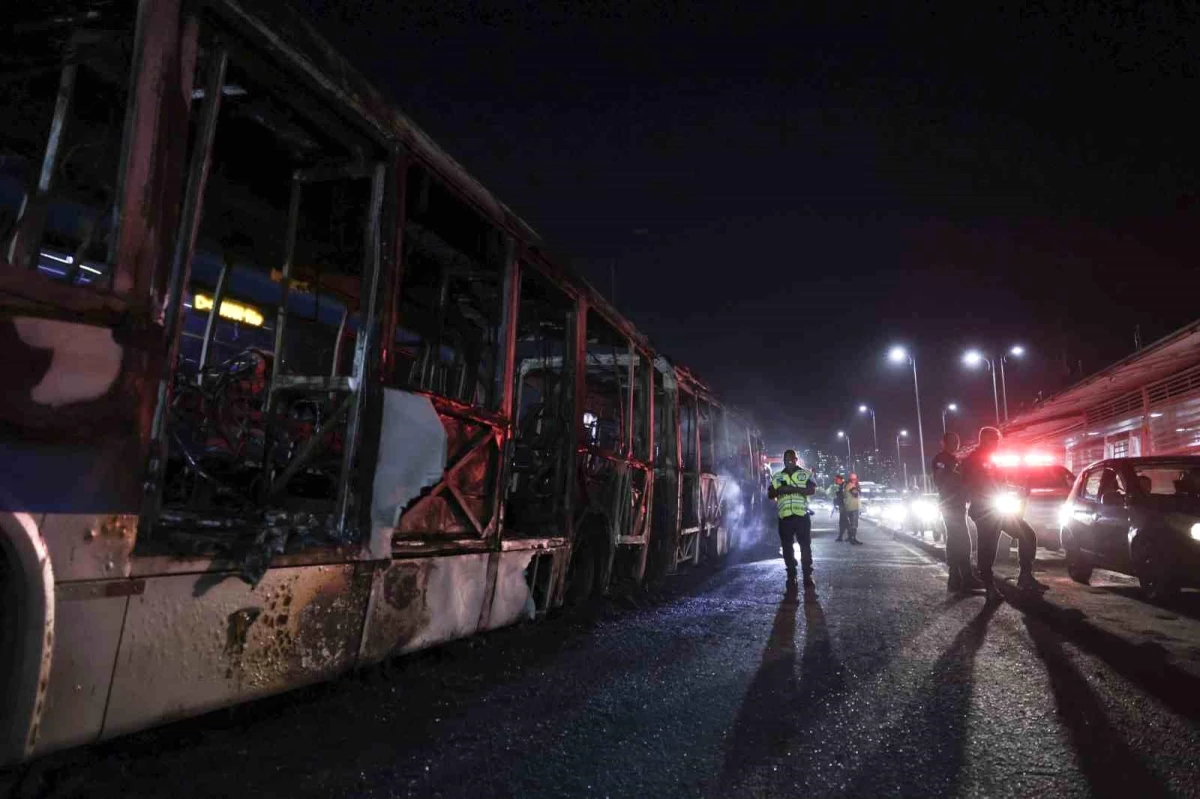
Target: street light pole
[[897, 355], [974, 358], [899, 460], [849, 454], [951, 408], [874, 431], [1018, 351]]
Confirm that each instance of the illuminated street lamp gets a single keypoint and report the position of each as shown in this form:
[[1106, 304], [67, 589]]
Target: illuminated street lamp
[[900, 435], [975, 358], [874, 432], [849, 454], [951, 408], [1015, 351], [900, 355]]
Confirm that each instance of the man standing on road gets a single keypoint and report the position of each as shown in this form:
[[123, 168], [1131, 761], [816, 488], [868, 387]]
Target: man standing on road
[[983, 490], [791, 488], [952, 499], [851, 505], [837, 493]]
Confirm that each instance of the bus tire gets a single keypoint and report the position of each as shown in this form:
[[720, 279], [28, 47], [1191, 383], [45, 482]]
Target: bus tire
[[26, 634]]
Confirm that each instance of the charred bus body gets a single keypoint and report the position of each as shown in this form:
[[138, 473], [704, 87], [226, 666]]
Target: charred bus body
[[287, 391]]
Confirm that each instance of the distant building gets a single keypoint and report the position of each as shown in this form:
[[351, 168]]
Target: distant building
[[1145, 404]]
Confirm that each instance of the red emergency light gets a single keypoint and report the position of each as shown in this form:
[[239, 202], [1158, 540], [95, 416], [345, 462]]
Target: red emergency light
[[1011, 459]]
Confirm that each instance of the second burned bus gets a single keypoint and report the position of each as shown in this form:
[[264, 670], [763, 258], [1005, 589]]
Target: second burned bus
[[288, 392]]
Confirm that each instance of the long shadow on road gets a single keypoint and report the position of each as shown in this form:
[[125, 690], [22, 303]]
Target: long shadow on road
[[1147, 665], [927, 751], [1111, 767], [778, 703]]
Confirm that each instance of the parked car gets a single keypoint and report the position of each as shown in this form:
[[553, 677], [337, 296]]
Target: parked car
[[1137, 516]]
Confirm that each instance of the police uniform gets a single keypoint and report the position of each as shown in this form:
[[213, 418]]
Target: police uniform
[[952, 499], [794, 521], [983, 484]]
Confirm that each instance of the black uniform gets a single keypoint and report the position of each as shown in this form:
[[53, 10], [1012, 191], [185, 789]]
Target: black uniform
[[952, 500], [982, 483], [839, 502]]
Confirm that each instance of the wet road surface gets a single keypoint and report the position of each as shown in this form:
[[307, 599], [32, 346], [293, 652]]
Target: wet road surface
[[724, 685]]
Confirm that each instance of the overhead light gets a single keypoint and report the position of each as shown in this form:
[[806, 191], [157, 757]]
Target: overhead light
[[233, 311], [1156, 415], [62, 259], [91, 269]]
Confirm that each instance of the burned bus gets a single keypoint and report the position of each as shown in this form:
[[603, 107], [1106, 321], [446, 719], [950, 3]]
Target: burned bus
[[287, 392]]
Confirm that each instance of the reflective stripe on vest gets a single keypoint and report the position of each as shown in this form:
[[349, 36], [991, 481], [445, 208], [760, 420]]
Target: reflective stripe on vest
[[791, 504]]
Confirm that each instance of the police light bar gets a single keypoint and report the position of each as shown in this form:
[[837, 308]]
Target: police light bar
[[233, 311], [1011, 459]]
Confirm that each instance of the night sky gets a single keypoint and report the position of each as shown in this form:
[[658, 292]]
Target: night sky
[[781, 195]]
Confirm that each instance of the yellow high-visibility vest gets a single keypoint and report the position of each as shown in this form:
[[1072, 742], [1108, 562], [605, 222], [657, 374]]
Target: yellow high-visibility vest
[[791, 504]]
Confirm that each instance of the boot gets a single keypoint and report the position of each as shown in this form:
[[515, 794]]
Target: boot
[[993, 595], [1027, 582], [970, 584], [839, 538]]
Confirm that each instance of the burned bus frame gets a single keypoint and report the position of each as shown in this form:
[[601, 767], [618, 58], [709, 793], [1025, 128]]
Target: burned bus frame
[[118, 628]]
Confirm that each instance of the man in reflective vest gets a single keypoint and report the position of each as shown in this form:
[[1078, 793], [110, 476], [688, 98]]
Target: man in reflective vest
[[791, 488]]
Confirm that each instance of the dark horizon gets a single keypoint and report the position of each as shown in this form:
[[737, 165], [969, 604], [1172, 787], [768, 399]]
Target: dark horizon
[[781, 199]]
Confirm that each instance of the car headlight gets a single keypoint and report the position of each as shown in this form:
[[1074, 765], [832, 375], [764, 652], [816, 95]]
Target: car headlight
[[1196, 531], [925, 510], [1007, 503], [1065, 512]]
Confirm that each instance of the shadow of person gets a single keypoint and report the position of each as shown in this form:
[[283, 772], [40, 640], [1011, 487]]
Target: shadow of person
[[765, 721], [1111, 767], [783, 697], [928, 750]]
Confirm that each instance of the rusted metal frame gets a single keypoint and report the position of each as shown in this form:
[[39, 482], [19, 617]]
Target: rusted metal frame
[[337, 342], [53, 297], [508, 324], [210, 327], [462, 410], [25, 245], [277, 355], [310, 448], [481, 440], [363, 346], [165, 49], [578, 348], [181, 260], [394, 286], [629, 409], [466, 509]]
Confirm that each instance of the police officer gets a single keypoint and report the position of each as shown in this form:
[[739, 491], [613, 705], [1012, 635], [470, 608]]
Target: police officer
[[837, 492], [983, 487], [952, 499], [791, 488]]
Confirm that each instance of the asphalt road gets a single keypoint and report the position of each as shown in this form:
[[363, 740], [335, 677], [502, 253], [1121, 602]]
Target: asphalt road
[[724, 685]]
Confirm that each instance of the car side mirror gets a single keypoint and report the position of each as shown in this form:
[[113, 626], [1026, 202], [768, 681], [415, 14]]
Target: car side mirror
[[1113, 498]]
